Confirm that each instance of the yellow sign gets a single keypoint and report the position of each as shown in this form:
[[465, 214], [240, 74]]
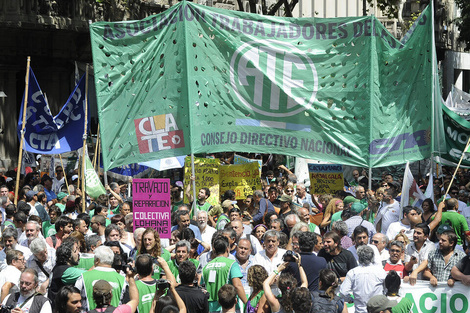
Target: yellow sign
[[325, 178], [207, 175], [243, 179]]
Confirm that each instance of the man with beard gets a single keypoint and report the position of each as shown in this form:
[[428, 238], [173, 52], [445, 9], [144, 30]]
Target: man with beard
[[27, 298], [182, 254], [10, 242], [201, 202], [206, 230], [417, 252], [63, 227], [441, 261], [32, 231], [10, 276], [64, 273], [338, 260]]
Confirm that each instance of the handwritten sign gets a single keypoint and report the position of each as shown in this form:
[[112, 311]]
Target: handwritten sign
[[152, 205], [238, 159], [325, 178], [207, 175], [243, 179]]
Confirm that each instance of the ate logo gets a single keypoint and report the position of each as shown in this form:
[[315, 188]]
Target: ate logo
[[159, 132], [273, 79]]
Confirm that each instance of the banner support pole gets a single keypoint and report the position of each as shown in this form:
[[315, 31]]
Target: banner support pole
[[457, 168], [84, 142], [370, 178], [193, 173], [65, 175], [96, 146], [20, 156]]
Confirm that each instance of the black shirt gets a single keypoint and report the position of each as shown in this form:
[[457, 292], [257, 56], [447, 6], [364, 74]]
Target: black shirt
[[194, 298], [340, 263], [312, 265]]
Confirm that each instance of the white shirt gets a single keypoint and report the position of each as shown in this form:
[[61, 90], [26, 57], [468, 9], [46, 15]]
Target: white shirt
[[388, 213], [421, 255], [395, 228], [207, 233], [384, 254], [270, 265], [46, 307], [377, 257], [10, 274], [363, 282], [57, 184]]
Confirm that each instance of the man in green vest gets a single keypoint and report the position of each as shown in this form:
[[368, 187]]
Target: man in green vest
[[223, 219], [104, 295], [201, 202], [145, 284], [182, 249], [220, 271], [104, 258]]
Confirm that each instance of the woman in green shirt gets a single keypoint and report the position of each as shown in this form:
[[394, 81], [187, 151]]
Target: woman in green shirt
[[257, 300]]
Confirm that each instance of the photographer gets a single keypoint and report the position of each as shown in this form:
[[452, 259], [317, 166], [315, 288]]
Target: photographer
[[27, 300], [104, 258]]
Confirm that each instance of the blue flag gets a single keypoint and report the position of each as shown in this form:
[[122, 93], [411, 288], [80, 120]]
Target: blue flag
[[47, 134]]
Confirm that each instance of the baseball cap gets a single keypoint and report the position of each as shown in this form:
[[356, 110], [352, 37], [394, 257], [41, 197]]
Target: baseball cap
[[380, 303], [357, 207], [74, 177], [349, 199], [102, 287], [285, 198], [30, 194], [227, 203], [61, 195], [443, 228]]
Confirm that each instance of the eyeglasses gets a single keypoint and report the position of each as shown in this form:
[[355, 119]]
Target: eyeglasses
[[375, 241], [59, 171], [289, 190]]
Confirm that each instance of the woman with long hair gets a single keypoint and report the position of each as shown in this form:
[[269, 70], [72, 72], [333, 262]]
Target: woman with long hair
[[325, 299], [287, 284], [335, 205], [257, 300], [151, 245], [428, 211]]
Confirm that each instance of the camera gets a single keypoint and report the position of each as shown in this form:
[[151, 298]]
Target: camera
[[6, 308], [289, 256], [161, 284], [155, 261]]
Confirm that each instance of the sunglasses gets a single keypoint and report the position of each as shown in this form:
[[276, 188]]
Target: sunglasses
[[59, 171], [289, 190], [375, 241]]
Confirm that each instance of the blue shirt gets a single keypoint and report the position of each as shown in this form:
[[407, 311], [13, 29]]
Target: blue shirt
[[258, 218], [50, 195]]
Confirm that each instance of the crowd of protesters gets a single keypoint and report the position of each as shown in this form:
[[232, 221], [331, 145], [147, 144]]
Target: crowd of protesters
[[280, 249]]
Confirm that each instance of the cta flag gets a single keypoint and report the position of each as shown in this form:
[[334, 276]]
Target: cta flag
[[198, 79], [47, 134], [93, 186]]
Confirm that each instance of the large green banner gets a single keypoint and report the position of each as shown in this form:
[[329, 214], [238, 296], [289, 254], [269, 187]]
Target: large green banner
[[457, 130], [198, 79]]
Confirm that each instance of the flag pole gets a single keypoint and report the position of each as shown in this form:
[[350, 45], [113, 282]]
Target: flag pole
[[193, 173], [63, 169], [96, 146], [25, 105], [457, 168], [84, 142]]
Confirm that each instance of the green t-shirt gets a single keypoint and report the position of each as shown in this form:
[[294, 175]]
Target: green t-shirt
[[146, 294], [459, 224], [70, 276], [216, 273], [157, 270], [336, 217], [48, 229], [174, 268], [61, 207], [404, 306], [116, 281], [254, 301]]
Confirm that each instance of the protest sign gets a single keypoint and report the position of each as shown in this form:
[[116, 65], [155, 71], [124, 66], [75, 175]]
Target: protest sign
[[207, 175], [152, 205], [325, 178], [242, 178], [238, 159], [439, 299]]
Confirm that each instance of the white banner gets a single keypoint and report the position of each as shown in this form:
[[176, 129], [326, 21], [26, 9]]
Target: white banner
[[439, 299]]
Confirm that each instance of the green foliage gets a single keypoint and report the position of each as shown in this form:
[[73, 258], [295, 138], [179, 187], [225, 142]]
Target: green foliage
[[388, 7], [463, 22]]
